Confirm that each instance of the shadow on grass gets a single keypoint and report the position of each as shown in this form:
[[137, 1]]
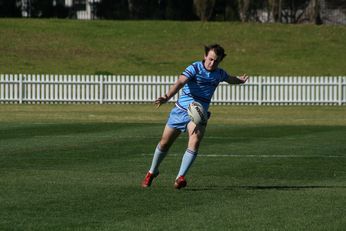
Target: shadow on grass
[[265, 187]]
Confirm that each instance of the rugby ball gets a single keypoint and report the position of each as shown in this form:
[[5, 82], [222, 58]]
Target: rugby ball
[[197, 113]]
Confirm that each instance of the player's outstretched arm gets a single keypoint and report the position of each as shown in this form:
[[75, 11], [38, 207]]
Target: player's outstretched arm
[[182, 80], [237, 80]]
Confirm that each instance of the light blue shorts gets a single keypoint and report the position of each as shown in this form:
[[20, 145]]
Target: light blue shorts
[[178, 119]]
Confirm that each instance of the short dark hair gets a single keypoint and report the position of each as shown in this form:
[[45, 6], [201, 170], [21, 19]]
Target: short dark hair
[[219, 51]]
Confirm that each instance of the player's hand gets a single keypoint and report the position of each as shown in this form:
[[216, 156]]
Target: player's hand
[[161, 100], [243, 78]]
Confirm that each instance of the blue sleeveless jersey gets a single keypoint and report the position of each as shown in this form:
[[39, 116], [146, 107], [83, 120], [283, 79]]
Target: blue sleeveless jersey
[[201, 85]]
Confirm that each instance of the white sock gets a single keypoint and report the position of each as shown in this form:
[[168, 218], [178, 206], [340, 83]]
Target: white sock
[[157, 159], [188, 159]]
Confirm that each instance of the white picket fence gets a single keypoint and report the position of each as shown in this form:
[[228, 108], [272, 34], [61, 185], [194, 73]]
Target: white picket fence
[[278, 90]]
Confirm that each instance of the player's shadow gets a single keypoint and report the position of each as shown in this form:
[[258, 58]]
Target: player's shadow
[[265, 187]]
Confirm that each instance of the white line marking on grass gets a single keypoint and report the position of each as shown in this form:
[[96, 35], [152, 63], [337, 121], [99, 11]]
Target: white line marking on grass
[[78, 135], [145, 137], [274, 156], [256, 156]]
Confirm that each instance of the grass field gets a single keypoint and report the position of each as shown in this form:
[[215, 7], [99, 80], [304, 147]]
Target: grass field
[[167, 47], [79, 167]]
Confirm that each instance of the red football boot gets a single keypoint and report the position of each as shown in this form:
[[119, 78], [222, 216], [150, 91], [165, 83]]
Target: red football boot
[[180, 182], [149, 179]]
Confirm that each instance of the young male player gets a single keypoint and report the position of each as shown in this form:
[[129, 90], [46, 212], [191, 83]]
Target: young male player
[[198, 83]]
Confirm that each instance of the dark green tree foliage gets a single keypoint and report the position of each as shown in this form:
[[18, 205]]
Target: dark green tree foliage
[[9, 8], [142, 9], [204, 9], [46, 9], [284, 11], [226, 10], [179, 10], [110, 9]]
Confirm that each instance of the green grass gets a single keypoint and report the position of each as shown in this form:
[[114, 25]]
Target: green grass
[[167, 47], [79, 167]]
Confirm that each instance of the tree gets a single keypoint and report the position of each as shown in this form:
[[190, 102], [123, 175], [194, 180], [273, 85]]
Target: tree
[[204, 9], [179, 9], [109, 9], [275, 8], [309, 12], [9, 8], [313, 12], [231, 10], [43, 8], [143, 9], [243, 7]]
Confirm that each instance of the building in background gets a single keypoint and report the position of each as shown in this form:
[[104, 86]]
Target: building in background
[[83, 9], [78, 9]]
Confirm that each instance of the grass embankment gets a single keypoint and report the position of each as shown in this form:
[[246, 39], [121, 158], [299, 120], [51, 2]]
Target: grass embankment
[[167, 47]]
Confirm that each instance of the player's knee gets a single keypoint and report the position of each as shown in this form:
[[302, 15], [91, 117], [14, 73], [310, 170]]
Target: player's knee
[[164, 146], [194, 143]]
